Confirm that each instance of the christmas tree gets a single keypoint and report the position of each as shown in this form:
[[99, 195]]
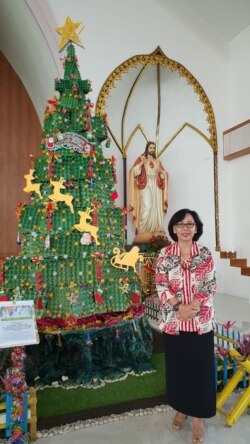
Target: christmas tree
[[73, 262]]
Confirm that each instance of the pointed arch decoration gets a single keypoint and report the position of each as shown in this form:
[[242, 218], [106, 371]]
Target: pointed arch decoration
[[158, 59]]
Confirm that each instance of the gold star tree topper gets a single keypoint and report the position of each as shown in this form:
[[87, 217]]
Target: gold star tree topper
[[69, 32]]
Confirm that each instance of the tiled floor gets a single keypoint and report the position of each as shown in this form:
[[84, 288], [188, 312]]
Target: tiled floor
[[156, 428]]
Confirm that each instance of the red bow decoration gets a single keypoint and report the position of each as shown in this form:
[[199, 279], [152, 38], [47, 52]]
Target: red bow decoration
[[39, 303], [36, 259]]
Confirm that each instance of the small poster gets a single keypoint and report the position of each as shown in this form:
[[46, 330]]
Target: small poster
[[17, 324]]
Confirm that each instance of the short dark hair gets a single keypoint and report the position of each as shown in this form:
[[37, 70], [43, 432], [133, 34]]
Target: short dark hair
[[178, 217]]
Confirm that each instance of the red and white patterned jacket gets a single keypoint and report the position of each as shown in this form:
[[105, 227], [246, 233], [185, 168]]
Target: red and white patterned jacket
[[186, 283]]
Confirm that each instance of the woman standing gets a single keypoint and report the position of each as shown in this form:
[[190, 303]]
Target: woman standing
[[186, 284]]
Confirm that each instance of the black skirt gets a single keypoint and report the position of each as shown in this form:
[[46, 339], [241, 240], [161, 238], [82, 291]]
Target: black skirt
[[190, 373]]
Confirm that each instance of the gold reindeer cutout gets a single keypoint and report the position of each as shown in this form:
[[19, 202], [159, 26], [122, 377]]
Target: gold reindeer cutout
[[32, 187], [85, 226], [57, 196], [127, 259]]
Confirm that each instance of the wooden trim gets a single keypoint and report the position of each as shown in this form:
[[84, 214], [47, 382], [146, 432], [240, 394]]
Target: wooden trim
[[227, 254], [238, 262], [236, 141], [239, 153], [236, 127], [245, 271]]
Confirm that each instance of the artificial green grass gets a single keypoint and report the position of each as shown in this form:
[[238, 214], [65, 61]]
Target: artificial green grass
[[59, 401]]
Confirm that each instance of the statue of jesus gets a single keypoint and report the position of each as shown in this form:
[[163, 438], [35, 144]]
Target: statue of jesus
[[147, 196]]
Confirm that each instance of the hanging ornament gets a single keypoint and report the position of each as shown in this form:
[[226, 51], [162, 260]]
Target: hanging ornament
[[3, 297], [18, 210], [59, 340], [114, 195], [47, 242], [32, 159], [18, 242], [39, 283], [98, 266], [113, 162], [49, 214], [136, 298], [98, 297], [69, 184], [88, 339], [50, 142], [1, 270], [135, 327], [51, 169], [90, 173], [108, 143], [39, 303], [53, 104], [86, 239], [117, 337]]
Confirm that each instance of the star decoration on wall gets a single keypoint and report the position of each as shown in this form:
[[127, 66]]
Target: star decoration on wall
[[69, 32]]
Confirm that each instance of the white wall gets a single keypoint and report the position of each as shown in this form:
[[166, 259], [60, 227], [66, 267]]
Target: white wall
[[235, 202], [239, 70], [239, 177]]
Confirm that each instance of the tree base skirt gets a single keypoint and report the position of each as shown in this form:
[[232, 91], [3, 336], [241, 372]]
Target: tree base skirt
[[92, 357]]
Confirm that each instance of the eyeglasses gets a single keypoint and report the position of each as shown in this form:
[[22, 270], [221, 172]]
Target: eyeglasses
[[188, 225]]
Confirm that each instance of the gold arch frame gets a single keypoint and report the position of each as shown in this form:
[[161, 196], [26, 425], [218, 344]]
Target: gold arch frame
[[159, 59]]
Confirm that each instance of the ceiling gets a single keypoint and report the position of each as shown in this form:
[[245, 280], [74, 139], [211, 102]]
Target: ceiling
[[227, 17]]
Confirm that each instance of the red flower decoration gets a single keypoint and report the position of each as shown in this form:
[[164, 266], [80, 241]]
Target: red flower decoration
[[114, 195]]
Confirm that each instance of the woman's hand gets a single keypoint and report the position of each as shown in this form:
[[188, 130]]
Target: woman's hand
[[186, 312]]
